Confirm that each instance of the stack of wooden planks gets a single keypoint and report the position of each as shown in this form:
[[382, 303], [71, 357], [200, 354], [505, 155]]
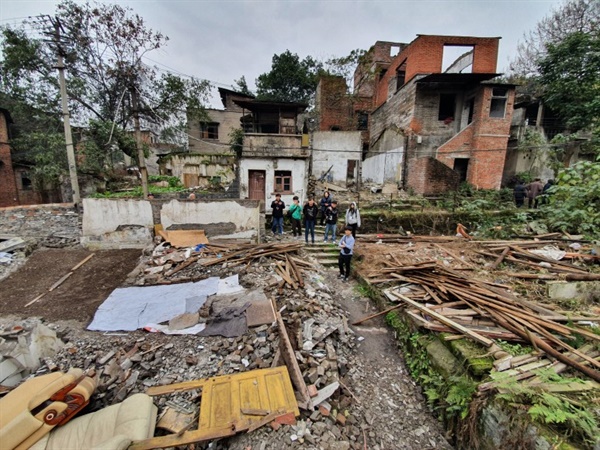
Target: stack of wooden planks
[[445, 300]]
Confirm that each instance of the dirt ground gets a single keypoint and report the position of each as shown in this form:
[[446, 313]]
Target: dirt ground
[[78, 296]]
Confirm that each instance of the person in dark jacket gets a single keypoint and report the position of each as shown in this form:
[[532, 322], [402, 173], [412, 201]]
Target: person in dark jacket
[[310, 217], [545, 193], [324, 204], [520, 193], [331, 222], [278, 207]]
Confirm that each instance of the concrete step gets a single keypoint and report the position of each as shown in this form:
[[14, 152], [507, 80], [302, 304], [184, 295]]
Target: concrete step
[[328, 262]]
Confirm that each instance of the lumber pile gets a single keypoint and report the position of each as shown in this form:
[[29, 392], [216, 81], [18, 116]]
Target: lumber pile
[[441, 299], [547, 268], [169, 264]]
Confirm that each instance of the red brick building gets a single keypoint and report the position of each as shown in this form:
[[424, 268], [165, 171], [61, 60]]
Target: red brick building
[[8, 186], [434, 102]]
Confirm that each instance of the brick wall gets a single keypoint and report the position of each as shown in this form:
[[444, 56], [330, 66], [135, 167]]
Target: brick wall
[[424, 55], [8, 186], [334, 105], [429, 176]]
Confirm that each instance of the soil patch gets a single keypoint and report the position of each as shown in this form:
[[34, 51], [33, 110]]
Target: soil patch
[[78, 296]]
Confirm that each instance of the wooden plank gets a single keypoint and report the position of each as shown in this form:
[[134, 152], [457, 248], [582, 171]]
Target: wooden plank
[[289, 356], [82, 262], [177, 387], [35, 299], [475, 336], [500, 258], [59, 282], [381, 313]]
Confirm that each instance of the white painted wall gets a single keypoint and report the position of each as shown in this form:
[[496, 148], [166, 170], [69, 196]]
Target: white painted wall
[[335, 148], [245, 217], [101, 215], [383, 168], [298, 167]]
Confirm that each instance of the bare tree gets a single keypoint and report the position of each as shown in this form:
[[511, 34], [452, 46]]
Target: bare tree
[[573, 16]]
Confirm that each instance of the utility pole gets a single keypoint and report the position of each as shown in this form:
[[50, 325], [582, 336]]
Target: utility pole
[[66, 117], [138, 141]]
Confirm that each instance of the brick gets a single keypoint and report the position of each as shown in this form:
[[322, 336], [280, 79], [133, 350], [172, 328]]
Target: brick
[[286, 419], [341, 419]]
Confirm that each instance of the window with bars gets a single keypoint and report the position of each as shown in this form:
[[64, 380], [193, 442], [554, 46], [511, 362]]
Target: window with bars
[[283, 181]]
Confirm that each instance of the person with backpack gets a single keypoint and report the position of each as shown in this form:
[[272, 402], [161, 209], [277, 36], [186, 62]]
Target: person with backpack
[[324, 204]]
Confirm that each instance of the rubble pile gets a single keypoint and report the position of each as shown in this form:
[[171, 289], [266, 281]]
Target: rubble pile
[[317, 328]]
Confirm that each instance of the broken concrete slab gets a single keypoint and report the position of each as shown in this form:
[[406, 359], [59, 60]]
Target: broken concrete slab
[[11, 244], [587, 291], [182, 321]]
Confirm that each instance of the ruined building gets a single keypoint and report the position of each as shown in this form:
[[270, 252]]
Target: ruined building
[[430, 114]]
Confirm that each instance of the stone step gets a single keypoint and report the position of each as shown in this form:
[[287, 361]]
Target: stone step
[[328, 262]]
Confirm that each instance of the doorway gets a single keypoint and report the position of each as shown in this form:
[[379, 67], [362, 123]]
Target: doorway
[[461, 166], [256, 185]]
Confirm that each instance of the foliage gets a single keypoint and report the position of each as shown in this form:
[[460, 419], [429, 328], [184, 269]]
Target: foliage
[[572, 16], [514, 349], [172, 180], [241, 86], [533, 144], [236, 141], [450, 397], [568, 415], [37, 141], [289, 80], [345, 66], [570, 76], [575, 199], [47, 156], [103, 46], [138, 193]]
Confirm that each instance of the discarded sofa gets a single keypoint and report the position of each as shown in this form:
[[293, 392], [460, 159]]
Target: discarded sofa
[[34, 408], [111, 428], [30, 413]]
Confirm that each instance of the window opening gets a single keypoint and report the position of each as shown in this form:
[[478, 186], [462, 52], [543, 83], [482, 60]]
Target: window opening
[[447, 107], [209, 130], [283, 181], [457, 59], [363, 120], [498, 104]]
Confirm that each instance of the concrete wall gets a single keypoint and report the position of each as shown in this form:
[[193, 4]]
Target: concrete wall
[[219, 219], [335, 148], [121, 223], [384, 168], [227, 120], [205, 167], [298, 167]]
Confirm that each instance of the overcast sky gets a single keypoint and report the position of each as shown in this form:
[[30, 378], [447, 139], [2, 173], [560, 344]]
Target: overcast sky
[[224, 39]]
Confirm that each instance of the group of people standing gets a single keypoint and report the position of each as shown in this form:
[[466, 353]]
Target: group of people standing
[[328, 213], [533, 191]]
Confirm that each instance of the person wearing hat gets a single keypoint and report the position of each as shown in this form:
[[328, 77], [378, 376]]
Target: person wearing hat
[[346, 246]]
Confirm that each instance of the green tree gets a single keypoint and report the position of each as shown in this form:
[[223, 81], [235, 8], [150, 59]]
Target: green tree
[[570, 79], [104, 47], [241, 86], [290, 79], [575, 199]]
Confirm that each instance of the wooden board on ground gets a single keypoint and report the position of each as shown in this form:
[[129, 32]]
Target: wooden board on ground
[[229, 403], [184, 238]]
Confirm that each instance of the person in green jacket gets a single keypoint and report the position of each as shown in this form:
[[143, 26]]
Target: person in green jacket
[[295, 212]]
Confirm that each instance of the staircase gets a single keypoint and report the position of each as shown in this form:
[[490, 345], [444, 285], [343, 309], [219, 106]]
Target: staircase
[[325, 254]]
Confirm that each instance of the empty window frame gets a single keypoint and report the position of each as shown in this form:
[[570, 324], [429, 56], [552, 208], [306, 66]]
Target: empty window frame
[[209, 130], [447, 107], [283, 181], [401, 75], [362, 120], [457, 58], [498, 103], [26, 183]]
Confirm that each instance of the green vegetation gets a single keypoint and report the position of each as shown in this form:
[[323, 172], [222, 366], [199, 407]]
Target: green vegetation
[[571, 415]]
